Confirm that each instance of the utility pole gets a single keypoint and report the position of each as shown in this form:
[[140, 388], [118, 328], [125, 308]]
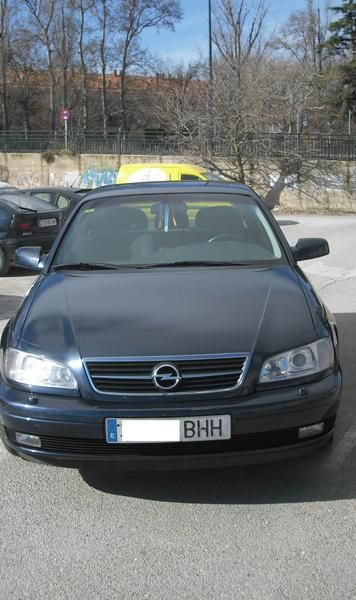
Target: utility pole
[[210, 46], [320, 44], [210, 88]]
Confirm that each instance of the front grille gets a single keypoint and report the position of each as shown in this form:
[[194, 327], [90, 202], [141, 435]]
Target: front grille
[[243, 442], [197, 373]]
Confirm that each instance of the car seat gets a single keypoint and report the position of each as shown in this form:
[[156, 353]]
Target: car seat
[[219, 220]]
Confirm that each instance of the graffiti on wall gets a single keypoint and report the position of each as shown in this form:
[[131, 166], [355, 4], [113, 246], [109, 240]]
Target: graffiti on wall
[[93, 178], [28, 179], [67, 178], [4, 173], [323, 179]]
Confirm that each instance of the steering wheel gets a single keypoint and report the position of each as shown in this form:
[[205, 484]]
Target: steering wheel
[[225, 237]]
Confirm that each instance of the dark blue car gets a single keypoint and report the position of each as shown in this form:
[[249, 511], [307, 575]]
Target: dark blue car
[[170, 326]]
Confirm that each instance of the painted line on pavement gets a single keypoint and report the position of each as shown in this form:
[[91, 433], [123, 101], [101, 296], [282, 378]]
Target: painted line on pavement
[[328, 271]]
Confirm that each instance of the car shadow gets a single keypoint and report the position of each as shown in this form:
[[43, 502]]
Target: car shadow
[[274, 483], [325, 475], [19, 272], [8, 305]]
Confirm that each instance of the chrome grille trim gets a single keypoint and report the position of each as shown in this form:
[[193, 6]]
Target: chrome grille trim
[[89, 364]]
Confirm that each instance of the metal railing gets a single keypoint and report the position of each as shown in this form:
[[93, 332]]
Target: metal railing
[[322, 146], [255, 146]]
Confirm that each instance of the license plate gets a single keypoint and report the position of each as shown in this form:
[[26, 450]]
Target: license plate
[[186, 429], [47, 222]]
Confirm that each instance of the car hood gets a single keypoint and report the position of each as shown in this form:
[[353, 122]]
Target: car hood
[[167, 312]]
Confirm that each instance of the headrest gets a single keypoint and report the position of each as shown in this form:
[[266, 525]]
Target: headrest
[[222, 219], [125, 218]]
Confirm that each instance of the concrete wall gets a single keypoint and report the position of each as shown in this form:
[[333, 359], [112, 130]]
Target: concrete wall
[[328, 185], [31, 169], [318, 186]]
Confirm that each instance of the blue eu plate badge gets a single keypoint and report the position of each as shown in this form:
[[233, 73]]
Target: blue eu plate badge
[[112, 431]]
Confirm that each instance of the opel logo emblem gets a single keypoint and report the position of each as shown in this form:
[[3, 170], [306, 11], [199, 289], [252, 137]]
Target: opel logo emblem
[[166, 377]]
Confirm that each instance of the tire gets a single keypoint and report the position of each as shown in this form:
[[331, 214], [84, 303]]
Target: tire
[[4, 262]]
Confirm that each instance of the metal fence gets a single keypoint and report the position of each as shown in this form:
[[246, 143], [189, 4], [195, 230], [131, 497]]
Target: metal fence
[[259, 146], [322, 146]]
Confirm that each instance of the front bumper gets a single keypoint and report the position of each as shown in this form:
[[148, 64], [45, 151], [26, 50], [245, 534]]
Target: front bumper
[[264, 428]]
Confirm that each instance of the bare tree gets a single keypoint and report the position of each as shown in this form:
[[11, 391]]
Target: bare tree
[[84, 7], [102, 14], [64, 51], [134, 17], [221, 122], [303, 37], [4, 58], [26, 63], [43, 13], [240, 49], [64, 34], [238, 32], [216, 120]]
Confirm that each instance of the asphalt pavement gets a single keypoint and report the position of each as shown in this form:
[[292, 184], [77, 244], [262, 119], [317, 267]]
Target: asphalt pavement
[[277, 531]]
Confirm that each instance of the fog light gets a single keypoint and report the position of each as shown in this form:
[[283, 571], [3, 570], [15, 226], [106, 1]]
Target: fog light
[[25, 439], [310, 430]]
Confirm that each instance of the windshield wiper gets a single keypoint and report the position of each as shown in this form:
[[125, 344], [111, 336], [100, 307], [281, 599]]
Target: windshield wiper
[[191, 263], [86, 266]]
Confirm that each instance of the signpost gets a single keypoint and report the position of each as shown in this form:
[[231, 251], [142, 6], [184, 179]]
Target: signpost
[[64, 115]]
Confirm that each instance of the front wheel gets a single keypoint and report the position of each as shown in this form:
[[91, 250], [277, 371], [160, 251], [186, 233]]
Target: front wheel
[[4, 262]]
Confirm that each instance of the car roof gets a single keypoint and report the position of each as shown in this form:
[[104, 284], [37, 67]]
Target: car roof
[[169, 187], [162, 165], [56, 189]]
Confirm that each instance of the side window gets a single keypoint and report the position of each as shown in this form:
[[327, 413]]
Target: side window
[[186, 177], [62, 202], [46, 196]]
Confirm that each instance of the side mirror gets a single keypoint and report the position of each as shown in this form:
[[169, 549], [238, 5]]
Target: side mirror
[[307, 248], [30, 257]]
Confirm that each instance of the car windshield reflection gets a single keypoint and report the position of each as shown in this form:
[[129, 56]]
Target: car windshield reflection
[[210, 229]]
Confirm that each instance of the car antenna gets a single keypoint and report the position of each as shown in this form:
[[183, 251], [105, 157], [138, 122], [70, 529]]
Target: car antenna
[[76, 179]]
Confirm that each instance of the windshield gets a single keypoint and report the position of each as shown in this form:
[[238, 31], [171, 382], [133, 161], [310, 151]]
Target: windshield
[[167, 229], [26, 202]]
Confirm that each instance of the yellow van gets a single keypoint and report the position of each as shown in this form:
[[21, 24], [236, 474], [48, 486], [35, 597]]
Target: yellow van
[[141, 172]]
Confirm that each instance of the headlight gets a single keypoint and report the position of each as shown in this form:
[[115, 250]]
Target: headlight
[[299, 362], [34, 370]]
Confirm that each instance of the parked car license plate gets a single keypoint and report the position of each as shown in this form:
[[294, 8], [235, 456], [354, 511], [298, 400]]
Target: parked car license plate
[[47, 222], [185, 429]]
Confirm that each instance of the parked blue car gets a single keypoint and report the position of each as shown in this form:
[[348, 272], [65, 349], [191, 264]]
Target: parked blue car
[[170, 327]]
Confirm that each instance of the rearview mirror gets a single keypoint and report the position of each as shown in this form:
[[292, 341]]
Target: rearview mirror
[[307, 248], [30, 257]]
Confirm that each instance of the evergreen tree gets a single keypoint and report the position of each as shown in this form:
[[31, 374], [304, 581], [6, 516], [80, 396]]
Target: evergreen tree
[[342, 42]]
